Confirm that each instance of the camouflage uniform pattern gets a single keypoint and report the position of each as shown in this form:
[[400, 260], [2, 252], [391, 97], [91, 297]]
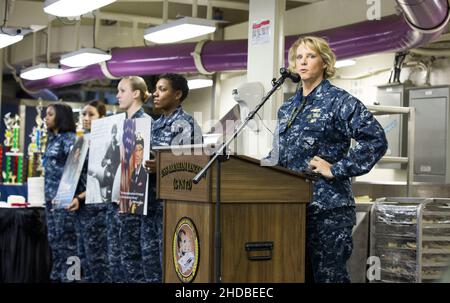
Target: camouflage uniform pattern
[[129, 237], [86, 275], [329, 119], [113, 248], [54, 158], [179, 128], [66, 241], [113, 243], [152, 236], [130, 248], [51, 234], [91, 236], [93, 249], [329, 245]]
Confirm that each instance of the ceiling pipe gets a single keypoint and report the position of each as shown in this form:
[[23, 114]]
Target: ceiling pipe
[[421, 24], [420, 14]]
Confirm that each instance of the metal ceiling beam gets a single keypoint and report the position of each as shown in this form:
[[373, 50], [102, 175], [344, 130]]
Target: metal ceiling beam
[[306, 1], [126, 18], [214, 3]]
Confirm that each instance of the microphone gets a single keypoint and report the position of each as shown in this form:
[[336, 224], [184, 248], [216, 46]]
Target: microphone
[[287, 74]]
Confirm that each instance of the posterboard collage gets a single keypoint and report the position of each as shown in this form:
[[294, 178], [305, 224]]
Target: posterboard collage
[[113, 155]]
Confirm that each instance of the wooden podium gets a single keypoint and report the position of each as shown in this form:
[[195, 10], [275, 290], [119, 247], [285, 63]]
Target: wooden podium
[[263, 212]]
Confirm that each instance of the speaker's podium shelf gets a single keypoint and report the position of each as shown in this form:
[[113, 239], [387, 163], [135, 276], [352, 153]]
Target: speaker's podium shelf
[[263, 212]]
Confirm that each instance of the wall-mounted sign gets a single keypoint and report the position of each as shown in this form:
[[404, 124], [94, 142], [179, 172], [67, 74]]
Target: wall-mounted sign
[[261, 32]]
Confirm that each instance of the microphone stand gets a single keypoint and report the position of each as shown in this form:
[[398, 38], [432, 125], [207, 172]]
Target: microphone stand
[[276, 83]]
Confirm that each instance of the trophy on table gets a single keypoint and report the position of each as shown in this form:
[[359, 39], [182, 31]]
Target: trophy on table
[[13, 170], [37, 146]]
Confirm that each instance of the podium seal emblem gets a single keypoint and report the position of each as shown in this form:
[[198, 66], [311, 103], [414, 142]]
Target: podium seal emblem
[[186, 250]]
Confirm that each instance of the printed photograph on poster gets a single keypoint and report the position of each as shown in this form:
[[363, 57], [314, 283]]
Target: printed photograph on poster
[[104, 160], [134, 178], [72, 171]]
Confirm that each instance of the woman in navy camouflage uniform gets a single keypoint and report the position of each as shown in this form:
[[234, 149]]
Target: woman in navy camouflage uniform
[[314, 131], [91, 218], [132, 94], [174, 127], [61, 231]]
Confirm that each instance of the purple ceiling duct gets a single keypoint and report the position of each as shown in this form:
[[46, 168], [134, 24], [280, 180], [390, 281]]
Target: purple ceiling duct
[[422, 23], [424, 15]]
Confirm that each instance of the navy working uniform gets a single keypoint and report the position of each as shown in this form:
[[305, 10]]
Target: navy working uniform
[[179, 128], [130, 234], [322, 124], [61, 229], [113, 225], [91, 236]]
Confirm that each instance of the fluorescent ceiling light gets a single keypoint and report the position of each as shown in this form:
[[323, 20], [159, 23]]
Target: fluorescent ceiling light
[[6, 39], [178, 30], [40, 71], [199, 83], [84, 57], [344, 63], [73, 8]]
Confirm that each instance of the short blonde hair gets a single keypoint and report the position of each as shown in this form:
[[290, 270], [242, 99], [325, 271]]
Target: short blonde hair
[[318, 45], [138, 83]]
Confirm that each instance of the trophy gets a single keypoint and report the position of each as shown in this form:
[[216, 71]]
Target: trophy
[[16, 131], [13, 158], [9, 130], [37, 146]]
